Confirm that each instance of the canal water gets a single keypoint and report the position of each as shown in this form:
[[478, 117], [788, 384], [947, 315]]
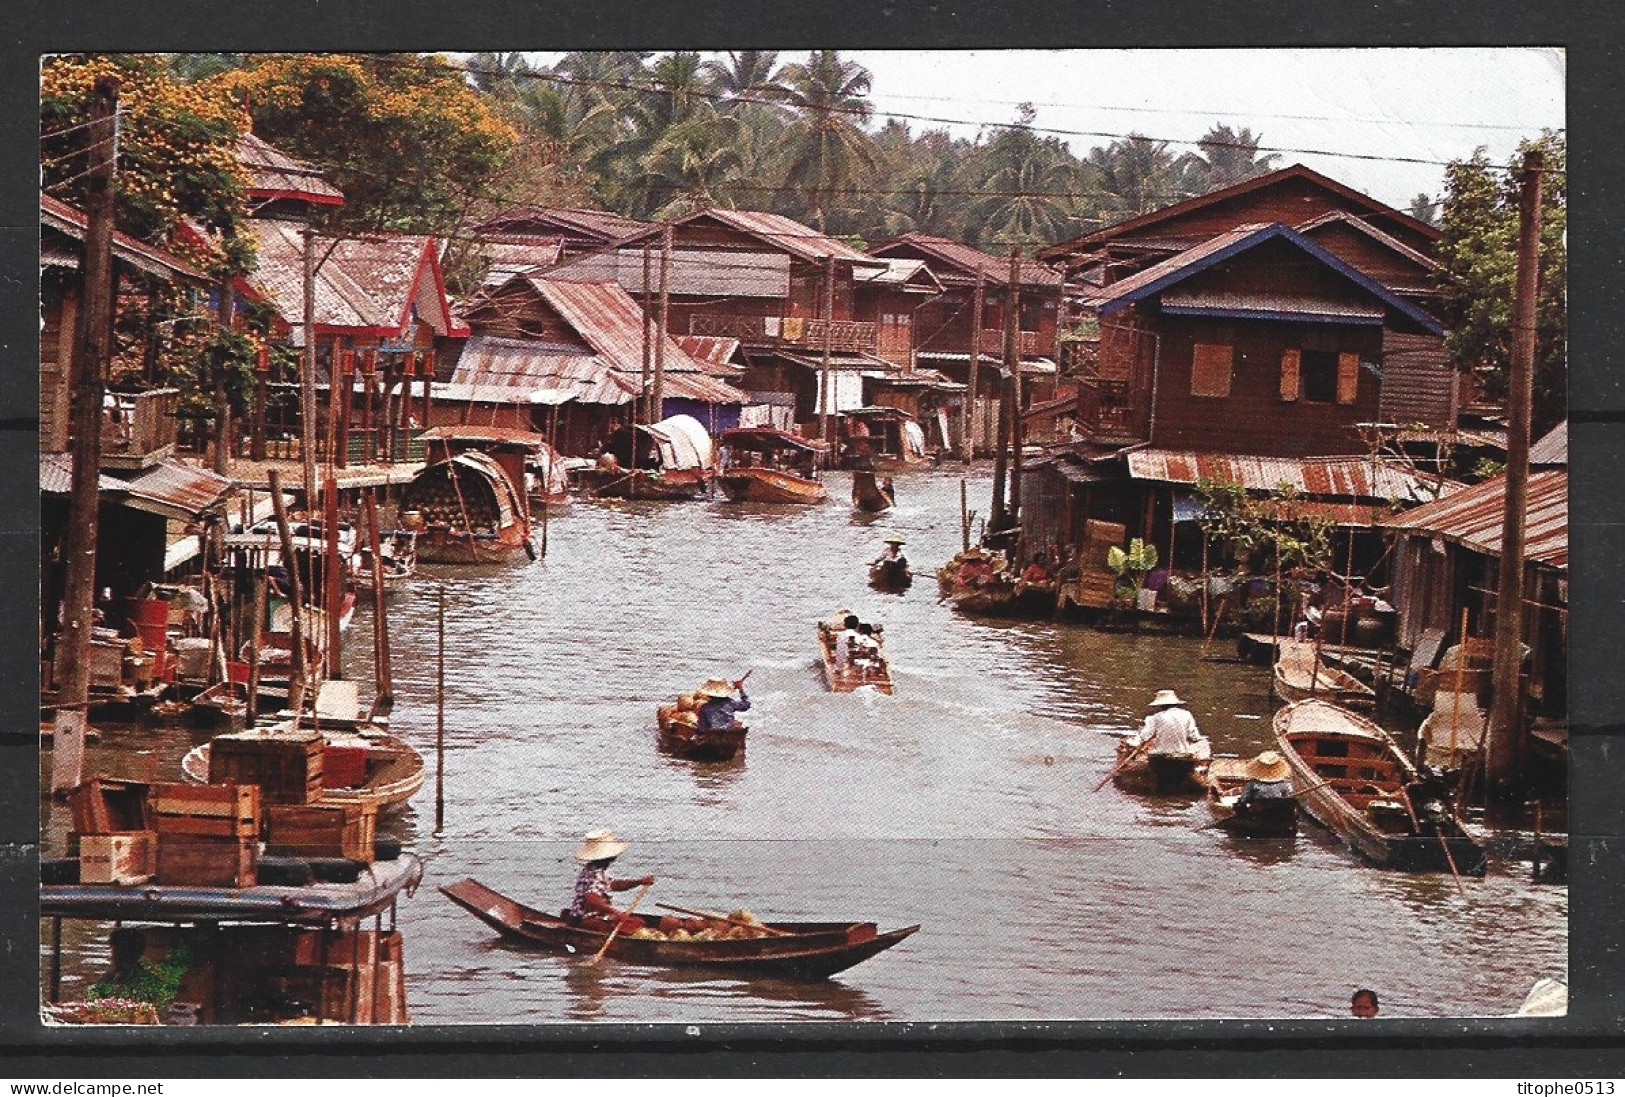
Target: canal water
[[965, 803]]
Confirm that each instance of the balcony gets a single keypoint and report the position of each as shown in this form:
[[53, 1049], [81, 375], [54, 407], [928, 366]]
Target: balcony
[[1028, 344], [138, 429], [845, 336]]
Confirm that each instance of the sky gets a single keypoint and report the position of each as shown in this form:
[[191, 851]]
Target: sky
[[1356, 115]]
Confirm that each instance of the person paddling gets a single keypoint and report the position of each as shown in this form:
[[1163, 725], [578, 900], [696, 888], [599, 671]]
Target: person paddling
[[591, 907], [1170, 729], [717, 710], [1268, 778]]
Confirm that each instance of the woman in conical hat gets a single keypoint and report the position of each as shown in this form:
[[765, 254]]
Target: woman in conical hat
[[1268, 778], [718, 704], [590, 906]]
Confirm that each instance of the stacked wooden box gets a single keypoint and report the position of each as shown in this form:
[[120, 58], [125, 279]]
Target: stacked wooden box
[[1096, 582], [208, 835], [125, 858], [285, 762], [113, 827], [321, 830]]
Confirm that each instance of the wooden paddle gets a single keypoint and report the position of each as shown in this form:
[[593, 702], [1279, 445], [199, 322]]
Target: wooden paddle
[[616, 932], [1133, 754], [724, 918], [1444, 844]]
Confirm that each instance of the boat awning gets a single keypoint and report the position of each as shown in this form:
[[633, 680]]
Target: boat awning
[[375, 890], [765, 438], [683, 442]]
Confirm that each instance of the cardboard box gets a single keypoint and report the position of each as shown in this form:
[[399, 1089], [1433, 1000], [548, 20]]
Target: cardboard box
[[285, 762], [202, 861], [124, 859], [210, 811], [321, 830]]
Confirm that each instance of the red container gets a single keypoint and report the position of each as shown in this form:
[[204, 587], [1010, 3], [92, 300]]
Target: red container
[[344, 767], [237, 671], [150, 611]]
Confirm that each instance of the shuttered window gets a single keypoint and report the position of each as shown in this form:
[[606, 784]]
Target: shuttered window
[[1317, 376], [1210, 369], [1289, 375], [1348, 378]]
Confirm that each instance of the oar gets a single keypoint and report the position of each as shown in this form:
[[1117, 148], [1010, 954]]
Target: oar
[[1133, 754], [724, 918], [1449, 858], [616, 932]]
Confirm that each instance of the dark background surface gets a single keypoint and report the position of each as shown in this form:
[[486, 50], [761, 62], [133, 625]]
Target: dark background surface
[[1586, 1043]]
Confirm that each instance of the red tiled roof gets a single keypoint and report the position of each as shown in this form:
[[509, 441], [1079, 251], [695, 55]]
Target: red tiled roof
[[74, 222], [969, 261], [1473, 517]]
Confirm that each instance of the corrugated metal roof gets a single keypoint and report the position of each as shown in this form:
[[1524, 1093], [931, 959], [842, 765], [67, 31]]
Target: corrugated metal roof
[[471, 432], [1552, 449], [368, 284], [177, 490], [509, 255], [1273, 304], [1345, 477], [1158, 277], [967, 260], [272, 173], [74, 222], [599, 224], [56, 475], [1473, 517], [610, 322], [899, 273], [500, 394], [781, 232], [715, 351], [523, 366]]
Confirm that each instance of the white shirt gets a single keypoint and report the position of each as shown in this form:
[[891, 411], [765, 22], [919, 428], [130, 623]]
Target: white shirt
[[843, 647], [1172, 731]]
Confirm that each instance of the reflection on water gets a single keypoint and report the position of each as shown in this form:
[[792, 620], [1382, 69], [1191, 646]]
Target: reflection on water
[[964, 803]]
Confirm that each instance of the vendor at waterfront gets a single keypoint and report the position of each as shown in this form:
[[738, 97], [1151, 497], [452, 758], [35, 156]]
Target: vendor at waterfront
[[1171, 729], [717, 711], [591, 907]]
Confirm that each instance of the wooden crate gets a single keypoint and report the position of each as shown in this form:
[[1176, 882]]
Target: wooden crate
[[208, 811], [286, 763], [125, 859], [200, 861], [106, 805], [344, 767], [341, 948], [321, 830]]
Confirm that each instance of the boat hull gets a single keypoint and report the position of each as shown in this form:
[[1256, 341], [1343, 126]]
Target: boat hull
[[394, 770], [867, 495], [806, 950], [890, 575], [759, 485], [852, 677], [1300, 676], [684, 741], [1226, 778], [1161, 774], [1352, 778], [448, 546], [676, 486]]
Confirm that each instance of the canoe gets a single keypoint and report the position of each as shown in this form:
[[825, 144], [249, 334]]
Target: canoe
[[397, 562], [994, 599], [803, 950], [876, 675], [1157, 774], [684, 740], [1300, 675], [890, 575], [1353, 779], [672, 487], [1226, 778], [869, 496], [752, 484], [394, 768]]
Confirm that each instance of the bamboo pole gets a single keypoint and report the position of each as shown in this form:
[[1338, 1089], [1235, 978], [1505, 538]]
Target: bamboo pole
[[440, 719], [1461, 671], [969, 440], [260, 580], [297, 671], [333, 574], [383, 679], [964, 514]]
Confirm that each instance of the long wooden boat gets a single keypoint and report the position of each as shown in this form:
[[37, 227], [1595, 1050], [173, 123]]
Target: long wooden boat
[[798, 950], [1226, 778], [1156, 774], [1352, 778], [471, 512], [394, 769], [890, 575], [674, 486], [766, 465], [868, 495], [1300, 674], [683, 739], [765, 485], [874, 673]]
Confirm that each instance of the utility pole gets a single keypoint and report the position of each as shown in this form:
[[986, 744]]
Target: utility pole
[[657, 400], [222, 403], [829, 329], [1503, 753], [92, 350], [977, 299], [307, 371], [641, 404], [1012, 362], [998, 514]]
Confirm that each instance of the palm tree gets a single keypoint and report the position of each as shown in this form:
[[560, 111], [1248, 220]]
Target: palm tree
[[748, 75], [1025, 186], [672, 95], [1230, 156], [1136, 175], [694, 166], [829, 153]]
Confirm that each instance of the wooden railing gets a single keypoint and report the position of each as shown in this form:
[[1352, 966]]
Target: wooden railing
[[138, 429], [1028, 344], [845, 336]]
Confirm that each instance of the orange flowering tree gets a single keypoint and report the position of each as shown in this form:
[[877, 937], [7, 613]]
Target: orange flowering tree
[[406, 138]]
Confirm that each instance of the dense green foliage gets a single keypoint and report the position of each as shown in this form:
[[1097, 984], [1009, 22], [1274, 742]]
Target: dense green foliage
[[1479, 249]]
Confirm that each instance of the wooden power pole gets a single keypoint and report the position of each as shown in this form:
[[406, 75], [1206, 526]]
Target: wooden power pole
[[657, 399], [971, 378], [1012, 363], [1503, 753], [824, 394], [92, 351]]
